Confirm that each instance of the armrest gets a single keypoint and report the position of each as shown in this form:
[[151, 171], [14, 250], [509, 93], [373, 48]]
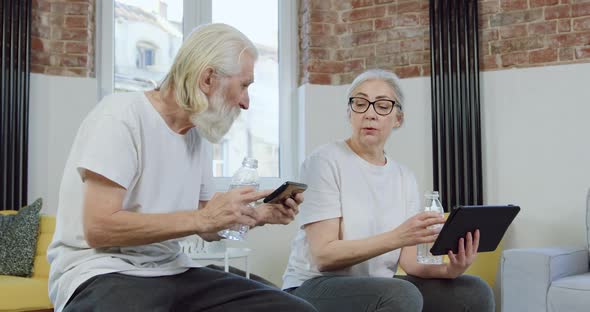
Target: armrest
[[528, 273]]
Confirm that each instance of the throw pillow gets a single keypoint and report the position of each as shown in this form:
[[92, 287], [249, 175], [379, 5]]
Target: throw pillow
[[18, 240]]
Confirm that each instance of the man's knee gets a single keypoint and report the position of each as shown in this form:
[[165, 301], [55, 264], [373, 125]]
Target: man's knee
[[284, 301]]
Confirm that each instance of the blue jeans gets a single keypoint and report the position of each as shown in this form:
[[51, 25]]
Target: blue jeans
[[401, 293]]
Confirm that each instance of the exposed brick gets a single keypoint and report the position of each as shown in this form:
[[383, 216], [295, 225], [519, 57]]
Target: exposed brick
[[582, 53], [511, 59], [76, 21], [512, 5], [341, 28], [41, 5], [71, 8], [321, 66], [407, 20], [341, 55], [540, 3], [320, 41], [564, 25], [318, 29], [363, 13], [419, 57], [581, 9], [404, 33], [412, 6], [513, 31], [543, 56], [407, 71], [39, 69], [320, 16], [484, 21], [383, 1], [320, 5], [489, 7], [388, 48], [414, 44], [384, 22], [489, 62], [359, 3], [513, 45], [542, 28], [516, 17], [354, 65], [319, 53], [569, 39], [566, 54], [77, 34], [581, 24], [560, 11], [363, 52], [76, 47], [339, 5], [323, 79], [487, 35], [361, 26], [425, 70]]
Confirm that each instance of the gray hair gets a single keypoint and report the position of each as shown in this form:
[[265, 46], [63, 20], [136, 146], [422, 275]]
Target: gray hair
[[378, 74], [219, 46]]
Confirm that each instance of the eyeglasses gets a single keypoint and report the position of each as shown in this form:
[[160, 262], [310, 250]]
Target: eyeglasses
[[381, 107]]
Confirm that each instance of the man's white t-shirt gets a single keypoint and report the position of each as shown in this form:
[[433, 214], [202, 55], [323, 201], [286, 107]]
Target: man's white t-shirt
[[126, 140], [369, 199]]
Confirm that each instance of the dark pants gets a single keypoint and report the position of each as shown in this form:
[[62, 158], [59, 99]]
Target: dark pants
[[200, 289], [402, 293]]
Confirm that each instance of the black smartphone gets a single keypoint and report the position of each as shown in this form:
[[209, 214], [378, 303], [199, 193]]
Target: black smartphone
[[287, 189]]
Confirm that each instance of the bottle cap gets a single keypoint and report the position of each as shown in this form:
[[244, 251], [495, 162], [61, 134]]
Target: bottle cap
[[250, 162]]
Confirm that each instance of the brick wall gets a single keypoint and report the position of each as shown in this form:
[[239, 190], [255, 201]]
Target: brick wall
[[341, 38], [62, 39]]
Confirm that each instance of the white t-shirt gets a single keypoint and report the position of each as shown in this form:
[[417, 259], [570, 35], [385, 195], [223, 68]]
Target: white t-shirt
[[126, 140], [370, 200]]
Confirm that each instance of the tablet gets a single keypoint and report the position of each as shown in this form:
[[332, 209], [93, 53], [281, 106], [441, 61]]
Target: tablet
[[492, 222]]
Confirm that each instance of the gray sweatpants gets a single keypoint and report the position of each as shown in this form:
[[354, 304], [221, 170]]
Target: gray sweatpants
[[401, 293], [200, 289]]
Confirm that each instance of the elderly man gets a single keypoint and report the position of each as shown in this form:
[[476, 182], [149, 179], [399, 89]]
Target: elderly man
[[139, 167]]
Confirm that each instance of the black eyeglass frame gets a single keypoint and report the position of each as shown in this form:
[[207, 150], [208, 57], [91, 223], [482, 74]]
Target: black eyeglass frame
[[395, 103]]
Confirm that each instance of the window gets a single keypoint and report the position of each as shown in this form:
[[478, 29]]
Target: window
[[139, 39]]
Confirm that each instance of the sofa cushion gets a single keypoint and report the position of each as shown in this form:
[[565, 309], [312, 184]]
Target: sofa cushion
[[570, 294], [18, 240], [23, 294]]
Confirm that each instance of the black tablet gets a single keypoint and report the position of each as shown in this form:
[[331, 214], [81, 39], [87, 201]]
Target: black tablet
[[492, 222]]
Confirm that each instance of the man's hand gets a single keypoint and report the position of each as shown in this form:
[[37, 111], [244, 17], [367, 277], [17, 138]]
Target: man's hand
[[227, 209], [465, 256], [280, 213]]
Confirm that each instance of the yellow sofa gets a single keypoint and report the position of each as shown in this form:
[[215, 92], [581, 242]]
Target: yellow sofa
[[30, 293]]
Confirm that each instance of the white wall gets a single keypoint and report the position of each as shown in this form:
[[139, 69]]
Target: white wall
[[57, 107]]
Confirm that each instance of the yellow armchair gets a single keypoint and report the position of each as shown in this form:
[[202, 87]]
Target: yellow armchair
[[30, 293]]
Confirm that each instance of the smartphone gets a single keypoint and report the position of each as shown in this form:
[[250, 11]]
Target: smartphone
[[286, 190]]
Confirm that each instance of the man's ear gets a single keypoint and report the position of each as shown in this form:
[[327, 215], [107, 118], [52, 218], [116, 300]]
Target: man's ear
[[206, 81]]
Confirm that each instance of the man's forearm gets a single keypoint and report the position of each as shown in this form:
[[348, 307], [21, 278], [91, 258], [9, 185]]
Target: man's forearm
[[124, 228]]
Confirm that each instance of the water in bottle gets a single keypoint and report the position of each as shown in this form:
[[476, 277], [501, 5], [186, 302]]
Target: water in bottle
[[424, 255], [247, 175]]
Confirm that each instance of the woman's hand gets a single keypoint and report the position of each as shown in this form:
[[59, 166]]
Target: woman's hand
[[415, 230], [465, 256], [280, 213]]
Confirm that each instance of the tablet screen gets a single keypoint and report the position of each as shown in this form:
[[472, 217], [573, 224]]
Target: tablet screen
[[492, 222]]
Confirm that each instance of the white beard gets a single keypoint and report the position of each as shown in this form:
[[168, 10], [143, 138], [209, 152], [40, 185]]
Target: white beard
[[216, 121]]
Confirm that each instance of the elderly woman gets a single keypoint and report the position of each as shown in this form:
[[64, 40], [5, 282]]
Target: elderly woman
[[361, 218]]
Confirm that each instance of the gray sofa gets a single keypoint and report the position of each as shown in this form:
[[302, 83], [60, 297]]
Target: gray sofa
[[547, 279]]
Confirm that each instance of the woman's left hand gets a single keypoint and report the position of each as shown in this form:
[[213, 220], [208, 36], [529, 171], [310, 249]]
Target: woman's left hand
[[280, 213], [465, 256]]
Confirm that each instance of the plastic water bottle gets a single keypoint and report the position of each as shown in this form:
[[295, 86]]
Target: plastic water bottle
[[247, 175], [424, 255]]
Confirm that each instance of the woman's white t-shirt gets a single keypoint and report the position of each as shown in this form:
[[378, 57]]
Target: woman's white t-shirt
[[369, 199], [126, 140]]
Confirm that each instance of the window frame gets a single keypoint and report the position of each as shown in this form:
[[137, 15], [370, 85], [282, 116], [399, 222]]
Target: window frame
[[196, 12]]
